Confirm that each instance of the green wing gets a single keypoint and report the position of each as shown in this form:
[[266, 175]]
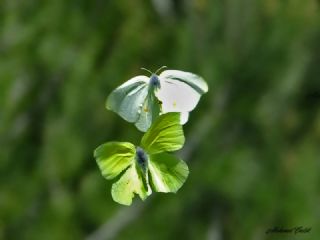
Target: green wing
[[130, 183], [128, 99], [165, 134], [114, 157], [168, 173]]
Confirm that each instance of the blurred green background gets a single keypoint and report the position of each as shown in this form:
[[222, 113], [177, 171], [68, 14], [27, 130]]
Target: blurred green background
[[252, 144]]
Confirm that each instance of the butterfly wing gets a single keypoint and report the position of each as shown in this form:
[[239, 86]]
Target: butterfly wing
[[180, 91], [130, 183], [168, 173], [194, 81], [114, 157], [127, 99], [165, 134], [149, 112], [184, 116]]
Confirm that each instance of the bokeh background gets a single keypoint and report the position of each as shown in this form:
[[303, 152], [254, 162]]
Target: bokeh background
[[252, 144]]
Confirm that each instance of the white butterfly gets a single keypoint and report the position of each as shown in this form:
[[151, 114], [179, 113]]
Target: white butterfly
[[142, 99]]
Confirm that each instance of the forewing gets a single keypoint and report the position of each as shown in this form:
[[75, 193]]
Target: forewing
[[114, 157], [130, 183], [165, 134], [127, 99], [168, 173], [194, 81], [180, 91]]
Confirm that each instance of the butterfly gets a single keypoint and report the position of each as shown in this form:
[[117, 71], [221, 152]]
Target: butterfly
[[142, 99], [134, 165]]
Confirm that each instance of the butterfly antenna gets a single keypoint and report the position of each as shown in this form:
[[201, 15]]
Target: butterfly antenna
[[159, 69], [147, 70]]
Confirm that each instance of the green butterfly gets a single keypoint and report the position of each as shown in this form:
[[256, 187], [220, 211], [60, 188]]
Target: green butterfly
[[142, 99], [137, 164]]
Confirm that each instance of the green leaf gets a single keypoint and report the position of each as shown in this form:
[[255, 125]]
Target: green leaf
[[127, 99], [114, 157], [165, 134], [168, 173], [130, 183]]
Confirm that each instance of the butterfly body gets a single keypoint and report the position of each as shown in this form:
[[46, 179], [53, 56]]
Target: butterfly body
[[142, 159]]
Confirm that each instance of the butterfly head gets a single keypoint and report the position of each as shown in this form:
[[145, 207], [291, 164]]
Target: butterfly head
[[154, 81], [141, 158]]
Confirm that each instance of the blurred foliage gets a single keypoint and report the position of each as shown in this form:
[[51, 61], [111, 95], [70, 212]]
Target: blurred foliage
[[257, 163]]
